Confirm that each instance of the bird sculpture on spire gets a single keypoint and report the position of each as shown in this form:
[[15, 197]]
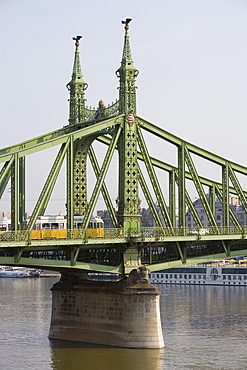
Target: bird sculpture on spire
[[126, 22], [77, 39]]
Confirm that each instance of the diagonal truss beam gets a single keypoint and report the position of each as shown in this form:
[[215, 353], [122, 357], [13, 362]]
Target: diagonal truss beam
[[199, 188], [5, 175], [105, 192], [189, 203], [153, 179], [238, 187], [159, 132], [101, 178], [232, 215], [149, 198], [168, 167], [49, 185]]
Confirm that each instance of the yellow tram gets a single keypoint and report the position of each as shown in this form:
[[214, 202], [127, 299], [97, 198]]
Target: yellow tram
[[55, 226]]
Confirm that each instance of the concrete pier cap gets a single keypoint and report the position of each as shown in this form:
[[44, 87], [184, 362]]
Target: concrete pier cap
[[125, 313]]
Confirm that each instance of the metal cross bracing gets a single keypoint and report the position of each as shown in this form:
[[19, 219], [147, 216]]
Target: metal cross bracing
[[127, 245]]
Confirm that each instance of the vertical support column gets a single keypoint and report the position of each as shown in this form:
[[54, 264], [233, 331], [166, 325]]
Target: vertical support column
[[70, 185], [212, 199], [181, 185], [15, 193], [22, 190], [81, 148], [172, 200], [225, 195], [128, 202]]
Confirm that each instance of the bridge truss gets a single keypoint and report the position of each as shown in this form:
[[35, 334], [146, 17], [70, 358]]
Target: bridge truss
[[127, 245]]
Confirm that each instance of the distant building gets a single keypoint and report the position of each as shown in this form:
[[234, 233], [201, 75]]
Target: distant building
[[147, 219], [5, 214], [235, 206]]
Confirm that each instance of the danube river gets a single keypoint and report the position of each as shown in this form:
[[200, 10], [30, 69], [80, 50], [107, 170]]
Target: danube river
[[205, 327]]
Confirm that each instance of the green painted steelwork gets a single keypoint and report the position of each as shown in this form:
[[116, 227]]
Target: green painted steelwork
[[149, 199], [101, 178], [181, 185], [127, 245], [154, 180], [105, 192], [77, 87], [128, 200]]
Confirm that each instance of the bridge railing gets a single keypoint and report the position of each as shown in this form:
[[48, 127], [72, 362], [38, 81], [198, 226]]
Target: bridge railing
[[144, 233]]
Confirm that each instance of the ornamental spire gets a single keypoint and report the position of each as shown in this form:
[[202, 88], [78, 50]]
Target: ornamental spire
[[127, 74], [77, 87]]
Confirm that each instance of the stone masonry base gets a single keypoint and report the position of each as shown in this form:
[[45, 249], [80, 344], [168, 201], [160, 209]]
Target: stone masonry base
[[123, 314]]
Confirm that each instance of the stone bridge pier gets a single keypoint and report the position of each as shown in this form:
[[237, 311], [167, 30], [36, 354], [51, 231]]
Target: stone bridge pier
[[123, 314]]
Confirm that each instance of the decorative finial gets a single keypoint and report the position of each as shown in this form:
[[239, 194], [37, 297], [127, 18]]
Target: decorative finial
[[126, 22], [77, 38]]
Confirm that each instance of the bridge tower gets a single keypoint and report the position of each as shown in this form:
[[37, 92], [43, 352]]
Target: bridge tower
[[128, 199], [128, 202]]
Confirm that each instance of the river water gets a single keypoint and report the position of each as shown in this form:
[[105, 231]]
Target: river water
[[204, 327]]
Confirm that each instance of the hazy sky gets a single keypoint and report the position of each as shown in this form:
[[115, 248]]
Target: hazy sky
[[192, 57]]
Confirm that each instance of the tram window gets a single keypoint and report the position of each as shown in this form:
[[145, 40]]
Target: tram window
[[3, 228], [46, 226], [61, 226], [54, 225], [37, 226], [79, 225], [90, 226]]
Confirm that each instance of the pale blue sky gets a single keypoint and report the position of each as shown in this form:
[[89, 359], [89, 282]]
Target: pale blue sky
[[192, 57]]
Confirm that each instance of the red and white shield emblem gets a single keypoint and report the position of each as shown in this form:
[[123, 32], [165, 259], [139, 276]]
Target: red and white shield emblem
[[131, 119]]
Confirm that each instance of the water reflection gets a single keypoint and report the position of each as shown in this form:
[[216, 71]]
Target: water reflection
[[70, 355], [204, 327]]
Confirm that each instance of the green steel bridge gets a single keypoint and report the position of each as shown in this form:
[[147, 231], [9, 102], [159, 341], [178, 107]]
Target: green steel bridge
[[127, 245]]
